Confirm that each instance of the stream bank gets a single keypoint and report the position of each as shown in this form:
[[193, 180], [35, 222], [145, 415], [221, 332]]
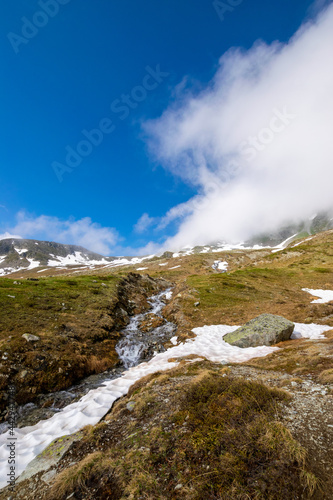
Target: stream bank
[[145, 335]]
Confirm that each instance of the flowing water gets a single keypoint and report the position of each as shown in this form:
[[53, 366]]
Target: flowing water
[[134, 347]]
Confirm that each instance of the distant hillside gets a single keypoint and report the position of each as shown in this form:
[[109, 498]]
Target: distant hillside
[[26, 255], [21, 254], [321, 222]]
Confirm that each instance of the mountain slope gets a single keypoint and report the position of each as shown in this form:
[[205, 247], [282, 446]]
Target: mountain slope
[[22, 254], [136, 448]]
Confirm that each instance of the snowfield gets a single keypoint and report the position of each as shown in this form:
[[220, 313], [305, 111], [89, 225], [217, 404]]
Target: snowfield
[[74, 259]]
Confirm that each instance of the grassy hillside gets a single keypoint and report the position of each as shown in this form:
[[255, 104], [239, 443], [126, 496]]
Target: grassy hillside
[[72, 319], [256, 282]]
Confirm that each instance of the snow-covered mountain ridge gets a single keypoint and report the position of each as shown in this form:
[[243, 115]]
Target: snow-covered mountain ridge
[[25, 255]]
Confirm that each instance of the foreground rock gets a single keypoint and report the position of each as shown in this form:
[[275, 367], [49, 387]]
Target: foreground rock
[[266, 329]]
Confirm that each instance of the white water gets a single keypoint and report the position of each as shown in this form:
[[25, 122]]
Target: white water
[[129, 348]]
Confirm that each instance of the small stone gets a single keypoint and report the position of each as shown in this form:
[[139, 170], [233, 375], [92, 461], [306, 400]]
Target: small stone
[[130, 405], [23, 373], [196, 304], [30, 338], [178, 487]]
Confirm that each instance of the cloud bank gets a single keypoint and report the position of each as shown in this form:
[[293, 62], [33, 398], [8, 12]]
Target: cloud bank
[[6, 235], [256, 142], [84, 232]]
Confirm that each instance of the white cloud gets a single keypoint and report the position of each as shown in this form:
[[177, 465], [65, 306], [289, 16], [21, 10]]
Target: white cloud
[[317, 6], [6, 235], [144, 223], [256, 142], [84, 232]]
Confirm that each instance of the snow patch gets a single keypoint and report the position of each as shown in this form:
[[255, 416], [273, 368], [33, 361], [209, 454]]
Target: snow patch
[[33, 264], [284, 244], [301, 242], [20, 250], [325, 295], [74, 259], [311, 331], [220, 265]]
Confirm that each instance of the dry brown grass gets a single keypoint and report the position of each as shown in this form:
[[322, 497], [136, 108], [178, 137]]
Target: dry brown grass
[[326, 377], [217, 436], [299, 357]]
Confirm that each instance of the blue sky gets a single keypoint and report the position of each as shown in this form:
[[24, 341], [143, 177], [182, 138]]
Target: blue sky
[[62, 77]]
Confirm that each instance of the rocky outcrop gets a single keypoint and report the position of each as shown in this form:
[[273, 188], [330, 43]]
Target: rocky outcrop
[[266, 329]]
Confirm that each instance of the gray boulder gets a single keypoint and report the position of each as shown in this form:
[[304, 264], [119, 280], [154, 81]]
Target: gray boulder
[[266, 329]]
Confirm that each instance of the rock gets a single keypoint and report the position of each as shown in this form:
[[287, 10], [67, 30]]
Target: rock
[[130, 405], [150, 322], [49, 457], [196, 304], [121, 318], [30, 338], [266, 329], [178, 487], [48, 476], [167, 255]]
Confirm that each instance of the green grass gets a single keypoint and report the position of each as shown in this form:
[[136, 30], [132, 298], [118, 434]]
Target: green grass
[[38, 304], [72, 318]]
